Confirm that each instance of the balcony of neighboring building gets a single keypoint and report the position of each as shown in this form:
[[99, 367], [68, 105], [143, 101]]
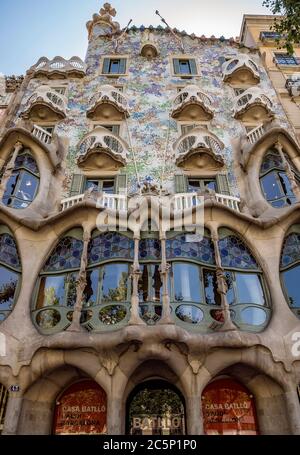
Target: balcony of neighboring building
[[45, 104], [59, 68], [108, 104], [241, 69], [102, 149], [253, 106], [199, 149], [293, 87], [269, 37], [192, 104]]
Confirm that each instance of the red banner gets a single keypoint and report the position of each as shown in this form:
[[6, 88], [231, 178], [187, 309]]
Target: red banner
[[81, 409], [228, 408]]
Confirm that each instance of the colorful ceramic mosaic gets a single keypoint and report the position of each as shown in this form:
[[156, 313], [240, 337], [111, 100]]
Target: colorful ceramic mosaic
[[66, 255], [110, 245], [8, 252], [291, 250], [179, 247], [234, 254]]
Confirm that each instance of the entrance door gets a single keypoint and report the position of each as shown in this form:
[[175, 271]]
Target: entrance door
[[155, 408], [81, 409], [228, 408]]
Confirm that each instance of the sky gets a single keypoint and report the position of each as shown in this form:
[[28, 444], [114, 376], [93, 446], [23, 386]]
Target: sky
[[30, 29]]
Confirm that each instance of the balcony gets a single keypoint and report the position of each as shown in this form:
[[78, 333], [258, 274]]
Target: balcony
[[149, 49], [108, 104], [103, 200], [253, 106], [184, 201], [192, 104], [199, 149], [41, 134], [45, 104], [59, 68], [241, 69], [269, 37], [293, 86], [102, 149]]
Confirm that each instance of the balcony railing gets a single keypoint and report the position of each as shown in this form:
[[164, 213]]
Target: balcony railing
[[237, 64], [44, 95], [255, 134], [251, 97], [269, 36], [104, 200], [41, 134], [108, 95], [293, 86], [184, 201], [74, 66], [191, 95]]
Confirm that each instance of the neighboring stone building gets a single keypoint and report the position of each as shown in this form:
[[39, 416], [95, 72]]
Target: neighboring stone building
[[144, 328]]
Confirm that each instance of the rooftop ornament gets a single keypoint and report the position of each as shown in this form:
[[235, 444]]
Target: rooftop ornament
[[107, 12]]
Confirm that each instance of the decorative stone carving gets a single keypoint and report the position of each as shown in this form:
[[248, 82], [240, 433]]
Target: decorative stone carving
[[241, 69], [106, 26], [108, 104], [253, 106], [192, 104], [59, 68], [149, 48], [45, 104]]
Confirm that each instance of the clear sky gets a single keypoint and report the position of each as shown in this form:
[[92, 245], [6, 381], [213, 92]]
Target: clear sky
[[30, 29]]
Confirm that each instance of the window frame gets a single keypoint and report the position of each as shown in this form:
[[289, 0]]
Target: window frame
[[114, 57], [188, 58]]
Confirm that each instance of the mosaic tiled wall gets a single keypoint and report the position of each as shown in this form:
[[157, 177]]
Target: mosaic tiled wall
[[150, 88]]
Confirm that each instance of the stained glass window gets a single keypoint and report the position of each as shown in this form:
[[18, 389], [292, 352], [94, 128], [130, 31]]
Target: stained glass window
[[110, 245], [290, 267], [23, 183], [149, 249], [66, 255], [8, 252], [291, 250], [181, 247], [235, 254]]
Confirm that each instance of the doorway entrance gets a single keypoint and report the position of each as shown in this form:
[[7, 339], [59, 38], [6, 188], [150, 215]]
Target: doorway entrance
[[155, 407], [81, 409]]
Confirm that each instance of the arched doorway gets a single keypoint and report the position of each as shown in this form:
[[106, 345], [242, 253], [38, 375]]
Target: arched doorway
[[81, 409], [155, 407], [228, 409], [3, 404]]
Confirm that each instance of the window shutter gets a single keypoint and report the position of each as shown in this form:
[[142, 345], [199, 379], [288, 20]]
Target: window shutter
[[76, 185], [193, 66], [121, 183], [176, 65], [106, 63], [180, 183], [223, 184], [122, 66], [116, 129]]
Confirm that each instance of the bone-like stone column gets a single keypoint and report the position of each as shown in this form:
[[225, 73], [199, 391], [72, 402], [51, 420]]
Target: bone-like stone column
[[9, 168], [135, 318], [222, 285], [81, 283], [295, 186], [293, 409], [164, 273], [13, 412]]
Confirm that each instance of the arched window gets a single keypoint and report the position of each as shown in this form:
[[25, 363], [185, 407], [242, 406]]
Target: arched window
[[56, 289], [290, 268], [275, 184], [3, 405], [246, 287], [10, 273], [107, 294], [23, 183]]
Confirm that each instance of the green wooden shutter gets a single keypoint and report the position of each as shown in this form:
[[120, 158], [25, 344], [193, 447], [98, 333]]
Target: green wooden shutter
[[223, 184], [121, 183], [176, 65], [77, 185], [122, 66], [116, 129], [180, 183], [106, 64], [193, 66]]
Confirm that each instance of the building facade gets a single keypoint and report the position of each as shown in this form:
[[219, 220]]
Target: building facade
[[150, 238]]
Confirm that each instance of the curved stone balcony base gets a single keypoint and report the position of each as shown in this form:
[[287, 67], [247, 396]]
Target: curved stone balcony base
[[59, 68], [45, 104], [192, 105], [253, 106], [241, 70], [108, 104]]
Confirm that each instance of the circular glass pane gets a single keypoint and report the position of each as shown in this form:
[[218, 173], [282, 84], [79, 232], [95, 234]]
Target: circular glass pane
[[253, 316], [48, 319], [112, 314], [2, 317], [189, 313]]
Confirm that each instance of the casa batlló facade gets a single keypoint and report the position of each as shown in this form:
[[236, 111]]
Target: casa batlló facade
[[150, 239]]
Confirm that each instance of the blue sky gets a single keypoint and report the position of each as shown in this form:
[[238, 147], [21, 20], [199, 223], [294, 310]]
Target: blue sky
[[33, 28]]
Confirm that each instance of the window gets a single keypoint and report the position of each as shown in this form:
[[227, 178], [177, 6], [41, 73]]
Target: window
[[239, 91], [185, 67], [286, 59], [187, 128], [48, 128], [23, 183], [114, 66], [113, 128], [60, 90], [101, 185], [290, 269], [10, 271], [195, 184], [274, 181]]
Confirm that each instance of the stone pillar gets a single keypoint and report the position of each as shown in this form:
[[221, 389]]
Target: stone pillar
[[114, 416], [288, 169], [81, 283], [9, 168], [13, 412], [164, 273], [222, 285], [293, 409], [194, 415], [135, 318]]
